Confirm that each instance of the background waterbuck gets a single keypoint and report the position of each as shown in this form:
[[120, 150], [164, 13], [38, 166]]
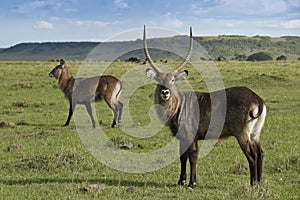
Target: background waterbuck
[[191, 115], [87, 90]]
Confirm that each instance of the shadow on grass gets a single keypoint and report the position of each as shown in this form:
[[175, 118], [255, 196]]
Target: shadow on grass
[[109, 182]]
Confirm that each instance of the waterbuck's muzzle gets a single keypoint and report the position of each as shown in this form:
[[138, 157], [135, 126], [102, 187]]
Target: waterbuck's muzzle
[[50, 75], [165, 94]]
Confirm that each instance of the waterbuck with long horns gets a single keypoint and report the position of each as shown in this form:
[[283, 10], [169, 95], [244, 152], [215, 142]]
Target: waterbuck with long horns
[[88, 90], [193, 116]]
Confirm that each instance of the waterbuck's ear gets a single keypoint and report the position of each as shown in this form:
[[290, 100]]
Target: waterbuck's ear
[[151, 74], [182, 75], [62, 62]]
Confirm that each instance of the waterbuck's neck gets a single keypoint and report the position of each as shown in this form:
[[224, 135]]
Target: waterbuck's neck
[[65, 78], [169, 108]]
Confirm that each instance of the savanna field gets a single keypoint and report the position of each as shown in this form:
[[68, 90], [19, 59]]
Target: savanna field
[[41, 159]]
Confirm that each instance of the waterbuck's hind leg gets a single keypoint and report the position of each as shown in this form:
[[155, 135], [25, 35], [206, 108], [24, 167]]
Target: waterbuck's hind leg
[[117, 109], [260, 156], [257, 154], [250, 152], [115, 112], [120, 111], [253, 170], [114, 107]]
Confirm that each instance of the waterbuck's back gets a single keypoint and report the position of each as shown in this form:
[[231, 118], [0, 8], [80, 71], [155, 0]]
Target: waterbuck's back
[[229, 110], [94, 88]]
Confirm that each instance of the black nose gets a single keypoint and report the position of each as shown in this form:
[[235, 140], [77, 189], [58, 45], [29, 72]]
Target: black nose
[[165, 92]]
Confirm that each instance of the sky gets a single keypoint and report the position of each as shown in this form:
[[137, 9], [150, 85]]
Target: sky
[[99, 20]]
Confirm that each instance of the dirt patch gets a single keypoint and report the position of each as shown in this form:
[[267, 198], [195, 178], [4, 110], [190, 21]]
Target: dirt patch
[[15, 147], [39, 135], [7, 124], [93, 188]]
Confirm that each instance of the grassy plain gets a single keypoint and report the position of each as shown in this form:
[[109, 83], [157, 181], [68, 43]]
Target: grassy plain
[[40, 159]]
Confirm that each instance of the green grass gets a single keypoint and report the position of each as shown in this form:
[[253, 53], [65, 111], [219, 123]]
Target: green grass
[[53, 163]]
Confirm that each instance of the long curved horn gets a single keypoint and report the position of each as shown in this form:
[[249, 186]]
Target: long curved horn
[[156, 69], [188, 56]]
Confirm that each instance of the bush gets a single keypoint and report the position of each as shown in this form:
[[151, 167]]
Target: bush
[[282, 57], [260, 56], [220, 58]]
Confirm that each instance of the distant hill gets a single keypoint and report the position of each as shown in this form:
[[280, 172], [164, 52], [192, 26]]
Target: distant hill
[[47, 51], [229, 47], [233, 47]]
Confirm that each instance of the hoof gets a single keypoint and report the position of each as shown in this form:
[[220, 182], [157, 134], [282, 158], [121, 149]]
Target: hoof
[[181, 182], [114, 124], [191, 186]]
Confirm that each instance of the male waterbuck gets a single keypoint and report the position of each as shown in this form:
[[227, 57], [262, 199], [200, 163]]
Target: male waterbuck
[[88, 90], [191, 115]]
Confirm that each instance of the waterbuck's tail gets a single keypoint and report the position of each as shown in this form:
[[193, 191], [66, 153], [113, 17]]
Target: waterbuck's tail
[[117, 91], [261, 106]]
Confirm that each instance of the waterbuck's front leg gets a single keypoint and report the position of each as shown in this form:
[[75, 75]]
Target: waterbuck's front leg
[[90, 112], [193, 155], [71, 110], [183, 160]]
